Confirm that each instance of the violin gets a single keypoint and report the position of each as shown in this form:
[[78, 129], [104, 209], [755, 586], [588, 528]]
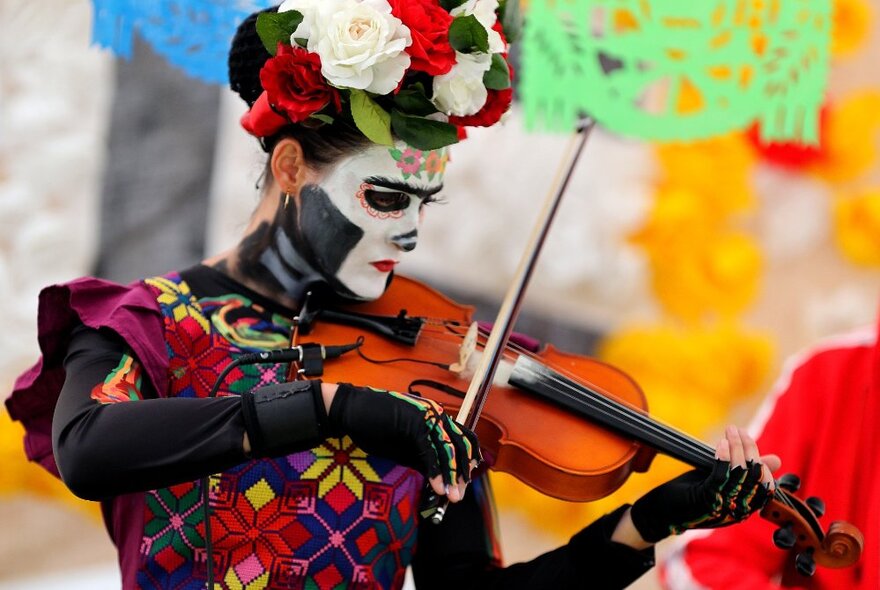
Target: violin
[[569, 426]]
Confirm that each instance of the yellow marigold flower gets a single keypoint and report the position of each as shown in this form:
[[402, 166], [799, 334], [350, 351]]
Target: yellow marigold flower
[[851, 25], [19, 476], [851, 138], [715, 364], [857, 226], [718, 276], [680, 218], [719, 169]]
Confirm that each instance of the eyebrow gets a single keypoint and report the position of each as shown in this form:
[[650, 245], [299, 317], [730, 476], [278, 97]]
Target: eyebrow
[[405, 187]]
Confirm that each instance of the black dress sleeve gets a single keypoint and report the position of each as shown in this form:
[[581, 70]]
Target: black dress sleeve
[[453, 554], [107, 449]]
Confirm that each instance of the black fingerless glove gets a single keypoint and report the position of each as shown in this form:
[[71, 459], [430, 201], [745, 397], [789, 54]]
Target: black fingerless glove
[[284, 418], [697, 500], [405, 428]]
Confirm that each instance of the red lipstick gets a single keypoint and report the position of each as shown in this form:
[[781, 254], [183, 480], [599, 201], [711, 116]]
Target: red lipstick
[[384, 265]]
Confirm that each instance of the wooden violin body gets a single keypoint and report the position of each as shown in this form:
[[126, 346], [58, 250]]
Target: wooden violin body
[[555, 452], [572, 427]]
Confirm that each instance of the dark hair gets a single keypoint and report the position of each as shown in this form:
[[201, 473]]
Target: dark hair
[[321, 145]]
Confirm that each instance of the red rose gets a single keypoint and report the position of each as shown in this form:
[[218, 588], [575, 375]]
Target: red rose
[[497, 103], [428, 24], [294, 84]]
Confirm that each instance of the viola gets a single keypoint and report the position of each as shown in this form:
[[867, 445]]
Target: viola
[[569, 426]]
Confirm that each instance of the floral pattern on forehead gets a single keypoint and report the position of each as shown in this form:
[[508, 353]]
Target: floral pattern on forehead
[[413, 162], [415, 70]]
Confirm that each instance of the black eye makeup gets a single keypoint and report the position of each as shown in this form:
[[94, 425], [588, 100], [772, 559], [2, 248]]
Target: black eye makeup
[[386, 201], [389, 195]]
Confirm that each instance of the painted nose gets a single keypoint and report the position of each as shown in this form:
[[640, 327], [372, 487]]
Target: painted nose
[[406, 242]]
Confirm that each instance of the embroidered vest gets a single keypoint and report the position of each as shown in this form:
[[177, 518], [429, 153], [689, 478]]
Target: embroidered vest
[[331, 517]]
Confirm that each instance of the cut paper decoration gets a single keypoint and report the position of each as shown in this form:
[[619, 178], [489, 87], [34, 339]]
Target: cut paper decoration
[[677, 69], [193, 35]]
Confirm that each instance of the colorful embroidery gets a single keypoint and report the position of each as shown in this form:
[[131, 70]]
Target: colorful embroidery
[[331, 517], [177, 302], [123, 384], [340, 461], [174, 537], [244, 323]]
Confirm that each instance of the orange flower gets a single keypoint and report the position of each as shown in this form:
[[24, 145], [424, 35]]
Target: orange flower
[[851, 25], [718, 169], [857, 226], [851, 139]]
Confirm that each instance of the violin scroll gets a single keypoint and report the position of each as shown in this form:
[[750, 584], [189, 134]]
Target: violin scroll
[[800, 530], [843, 544]]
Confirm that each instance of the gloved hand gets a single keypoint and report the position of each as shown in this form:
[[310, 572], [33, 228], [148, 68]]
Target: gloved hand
[[408, 429], [737, 486], [413, 431]]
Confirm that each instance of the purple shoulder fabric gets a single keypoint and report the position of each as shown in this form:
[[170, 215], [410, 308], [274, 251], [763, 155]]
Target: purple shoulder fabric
[[131, 311]]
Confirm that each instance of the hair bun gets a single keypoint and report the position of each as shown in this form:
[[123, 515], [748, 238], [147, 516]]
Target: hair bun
[[246, 57]]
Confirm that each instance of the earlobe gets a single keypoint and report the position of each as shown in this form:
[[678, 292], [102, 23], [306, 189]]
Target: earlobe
[[289, 166]]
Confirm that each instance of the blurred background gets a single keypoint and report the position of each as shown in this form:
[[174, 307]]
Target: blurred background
[[697, 268]]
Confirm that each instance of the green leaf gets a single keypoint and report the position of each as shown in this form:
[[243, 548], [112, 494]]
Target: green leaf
[[467, 34], [450, 4], [413, 101], [273, 27], [370, 118], [322, 118], [498, 76], [422, 133]]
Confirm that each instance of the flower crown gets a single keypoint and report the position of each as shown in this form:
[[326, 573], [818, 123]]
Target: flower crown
[[422, 69]]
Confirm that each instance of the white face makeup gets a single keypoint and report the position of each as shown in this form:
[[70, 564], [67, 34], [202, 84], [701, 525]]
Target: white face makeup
[[381, 192]]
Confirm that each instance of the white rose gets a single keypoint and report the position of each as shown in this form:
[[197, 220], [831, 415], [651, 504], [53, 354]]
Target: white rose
[[461, 91], [308, 9], [484, 11], [361, 44]]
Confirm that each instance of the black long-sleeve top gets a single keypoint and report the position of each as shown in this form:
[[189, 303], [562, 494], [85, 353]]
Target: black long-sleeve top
[[107, 449]]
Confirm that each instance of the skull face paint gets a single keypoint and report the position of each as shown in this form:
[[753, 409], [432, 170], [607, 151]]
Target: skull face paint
[[354, 223]]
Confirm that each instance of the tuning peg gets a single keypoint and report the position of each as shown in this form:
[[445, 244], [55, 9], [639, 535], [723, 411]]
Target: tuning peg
[[805, 564], [817, 505], [790, 482], [784, 537]]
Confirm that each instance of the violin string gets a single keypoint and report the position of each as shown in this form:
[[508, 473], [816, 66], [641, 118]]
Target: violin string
[[623, 409], [613, 407], [603, 401]]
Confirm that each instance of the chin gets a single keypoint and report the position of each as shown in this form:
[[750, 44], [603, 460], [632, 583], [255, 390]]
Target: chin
[[369, 290]]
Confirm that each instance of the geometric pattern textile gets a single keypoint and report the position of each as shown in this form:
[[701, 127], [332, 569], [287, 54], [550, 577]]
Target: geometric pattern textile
[[331, 517]]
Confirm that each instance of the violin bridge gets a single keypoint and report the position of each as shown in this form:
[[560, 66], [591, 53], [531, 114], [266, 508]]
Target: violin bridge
[[466, 350]]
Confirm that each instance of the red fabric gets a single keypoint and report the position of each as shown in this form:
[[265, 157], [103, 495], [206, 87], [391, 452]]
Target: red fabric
[[130, 311], [822, 422], [261, 120]]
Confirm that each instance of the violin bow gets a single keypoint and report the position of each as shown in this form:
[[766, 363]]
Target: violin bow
[[481, 382]]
